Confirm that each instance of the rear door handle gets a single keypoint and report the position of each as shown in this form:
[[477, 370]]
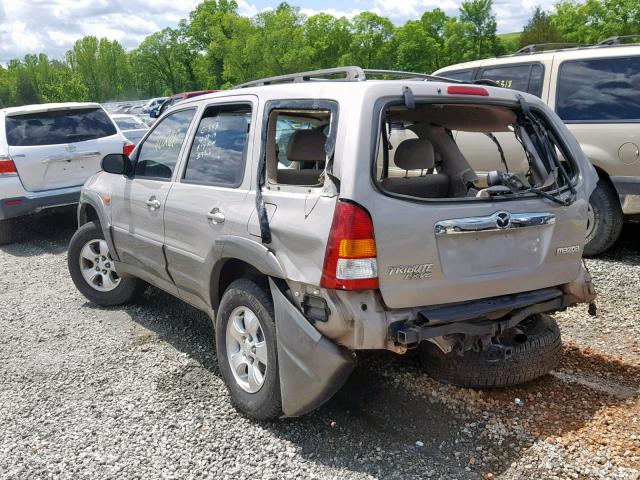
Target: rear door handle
[[216, 216], [153, 203]]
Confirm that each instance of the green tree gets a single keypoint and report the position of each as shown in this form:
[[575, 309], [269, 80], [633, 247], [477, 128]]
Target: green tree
[[539, 29], [416, 51], [479, 15], [212, 26], [595, 20], [26, 92], [278, 43], [328, 39], [373, 41]]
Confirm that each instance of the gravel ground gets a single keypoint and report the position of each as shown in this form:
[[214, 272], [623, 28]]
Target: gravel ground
[[136, 393]]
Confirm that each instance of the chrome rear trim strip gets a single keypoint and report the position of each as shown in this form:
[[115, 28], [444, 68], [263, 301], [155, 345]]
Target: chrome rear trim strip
[[499, 221]]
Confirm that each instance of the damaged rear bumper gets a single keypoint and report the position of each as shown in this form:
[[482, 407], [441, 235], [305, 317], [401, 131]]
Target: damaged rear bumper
[[489, 316], [311, 367]]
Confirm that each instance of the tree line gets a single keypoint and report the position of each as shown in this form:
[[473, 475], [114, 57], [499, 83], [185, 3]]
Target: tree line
[[216, 48]]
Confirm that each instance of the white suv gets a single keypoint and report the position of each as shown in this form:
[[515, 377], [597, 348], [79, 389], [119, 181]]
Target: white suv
[[595, 90], [47, 152]]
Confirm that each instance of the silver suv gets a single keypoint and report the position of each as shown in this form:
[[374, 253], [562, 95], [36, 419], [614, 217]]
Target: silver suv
[[322, 213]]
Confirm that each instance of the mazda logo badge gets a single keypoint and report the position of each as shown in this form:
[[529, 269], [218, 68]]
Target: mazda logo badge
[[503, 220]]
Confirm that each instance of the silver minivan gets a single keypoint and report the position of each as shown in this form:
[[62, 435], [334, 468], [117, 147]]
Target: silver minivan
[[595, 90], [47, 151]]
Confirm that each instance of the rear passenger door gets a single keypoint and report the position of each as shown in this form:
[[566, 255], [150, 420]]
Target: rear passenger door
[[138, 202], [207, 201]]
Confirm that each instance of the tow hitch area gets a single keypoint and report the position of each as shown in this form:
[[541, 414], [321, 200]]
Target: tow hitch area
[[489, 316]]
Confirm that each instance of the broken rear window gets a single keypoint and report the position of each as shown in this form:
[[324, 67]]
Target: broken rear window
[[450, 151]]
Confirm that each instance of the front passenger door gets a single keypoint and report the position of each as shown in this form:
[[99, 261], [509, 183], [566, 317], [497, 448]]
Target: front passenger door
[[137, 203]]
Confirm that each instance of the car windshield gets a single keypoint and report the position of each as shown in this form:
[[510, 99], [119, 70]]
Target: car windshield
[[436, 151]]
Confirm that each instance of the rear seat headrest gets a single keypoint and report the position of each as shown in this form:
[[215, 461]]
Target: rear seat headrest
[[307, 146], [415, 154]]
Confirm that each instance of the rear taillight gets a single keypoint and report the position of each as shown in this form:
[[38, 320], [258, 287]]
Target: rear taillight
[[7, 167], [350, 260], [465, 90], [127, 148]]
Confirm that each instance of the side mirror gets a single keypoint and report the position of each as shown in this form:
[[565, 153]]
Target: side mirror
[[116, 163], [153, 113]]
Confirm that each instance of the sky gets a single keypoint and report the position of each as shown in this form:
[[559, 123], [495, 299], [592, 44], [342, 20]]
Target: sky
[[52, 26]]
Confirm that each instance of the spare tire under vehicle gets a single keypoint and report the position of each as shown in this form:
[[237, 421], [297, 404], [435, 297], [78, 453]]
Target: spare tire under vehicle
[[531, 350]]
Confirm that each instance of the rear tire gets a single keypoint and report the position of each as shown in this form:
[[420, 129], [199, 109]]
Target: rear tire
[[6, 231], [607, 218], [120, 291], [244, 303], [530, 358]]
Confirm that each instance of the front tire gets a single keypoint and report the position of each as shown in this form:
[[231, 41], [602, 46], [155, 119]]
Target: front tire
[[93, 271], [247, 349], [605, 220]]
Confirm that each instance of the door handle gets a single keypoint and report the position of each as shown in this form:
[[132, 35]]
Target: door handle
[[153, 203], [216, 216]]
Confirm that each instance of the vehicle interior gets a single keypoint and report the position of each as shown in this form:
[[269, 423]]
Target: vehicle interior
[[296, 146], [445, 151]]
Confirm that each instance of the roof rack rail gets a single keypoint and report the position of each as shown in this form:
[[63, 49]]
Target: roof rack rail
[[342, 74], [540, 47], [616, 40]]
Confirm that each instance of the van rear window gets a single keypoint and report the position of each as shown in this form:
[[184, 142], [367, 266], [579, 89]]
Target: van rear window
[[599, 90], [58, 126]]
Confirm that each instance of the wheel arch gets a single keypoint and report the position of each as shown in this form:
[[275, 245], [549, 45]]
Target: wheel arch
[[241, 258], [91, 209]]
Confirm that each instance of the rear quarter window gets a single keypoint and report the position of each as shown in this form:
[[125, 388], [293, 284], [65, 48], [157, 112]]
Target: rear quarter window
[[524, 77], [57, 127], [462, 75], [599, 90]]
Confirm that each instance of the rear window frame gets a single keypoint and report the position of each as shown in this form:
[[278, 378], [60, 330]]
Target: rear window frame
[[378, 113], [333, 106], [588, 122], [69, 111]]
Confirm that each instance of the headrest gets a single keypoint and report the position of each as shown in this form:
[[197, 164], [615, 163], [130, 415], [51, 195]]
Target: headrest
[[415, 154], [307, 146]]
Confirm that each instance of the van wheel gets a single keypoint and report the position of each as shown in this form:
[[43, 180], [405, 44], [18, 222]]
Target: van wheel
[[523, 353], [604, 220], [93, 271], [246, 348], [6, 231]]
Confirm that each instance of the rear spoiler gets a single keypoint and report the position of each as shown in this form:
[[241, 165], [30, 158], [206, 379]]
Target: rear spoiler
[[51, 108]]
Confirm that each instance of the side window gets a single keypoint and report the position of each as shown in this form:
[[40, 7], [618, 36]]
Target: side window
[[605, 89], [218, 152], [158, 155], [527, 78], [296, 141], [462, 75]]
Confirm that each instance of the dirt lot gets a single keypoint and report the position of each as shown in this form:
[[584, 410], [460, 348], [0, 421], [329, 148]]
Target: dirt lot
[[136, 393]]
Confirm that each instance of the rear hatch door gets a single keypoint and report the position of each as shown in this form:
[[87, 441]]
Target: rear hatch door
[[432, 253], [60, 147]]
